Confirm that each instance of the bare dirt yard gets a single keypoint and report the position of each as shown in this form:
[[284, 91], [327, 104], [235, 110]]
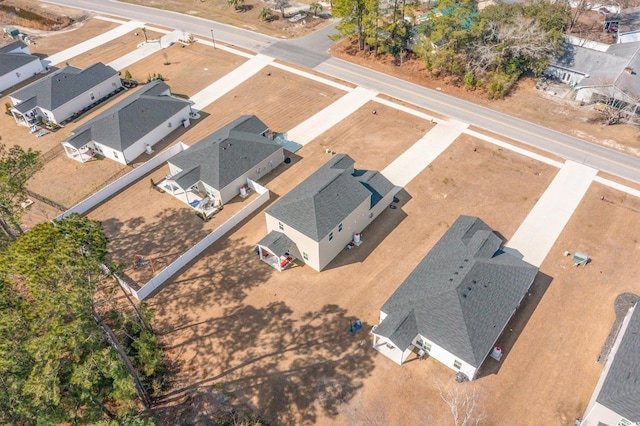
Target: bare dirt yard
[[279, 98], [525, 102], [190, 68], [141, 220], [299, 366], [248, 17], [54, 42], [112, 50], [551, 372]]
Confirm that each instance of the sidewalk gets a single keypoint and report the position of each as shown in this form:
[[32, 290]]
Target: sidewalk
[[542, 227], [229, 82], [92, 43], [316, 125], [415, 159], [147, 49]]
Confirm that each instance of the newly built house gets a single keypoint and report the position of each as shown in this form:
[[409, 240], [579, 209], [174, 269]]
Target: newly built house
[[58, 96], [616, 399], [318, 218], [455, 304], [217, 167], [17, 64], [130, 127]]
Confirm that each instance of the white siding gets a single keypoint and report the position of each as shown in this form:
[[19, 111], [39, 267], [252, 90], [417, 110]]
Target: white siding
[[303, 243], [84, 100], [21, 74], [255, 173], [600, 414], [156, 135]]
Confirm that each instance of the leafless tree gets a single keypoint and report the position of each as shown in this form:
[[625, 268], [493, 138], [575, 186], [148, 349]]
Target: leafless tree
[[581, 6], [501, 42], [463, 400]]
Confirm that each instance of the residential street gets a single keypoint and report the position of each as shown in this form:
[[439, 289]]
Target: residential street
[[311, 52]]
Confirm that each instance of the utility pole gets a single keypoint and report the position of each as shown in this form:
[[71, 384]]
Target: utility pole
[[213, 39]]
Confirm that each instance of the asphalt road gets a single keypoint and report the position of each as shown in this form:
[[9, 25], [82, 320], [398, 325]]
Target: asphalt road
[[312, 52]]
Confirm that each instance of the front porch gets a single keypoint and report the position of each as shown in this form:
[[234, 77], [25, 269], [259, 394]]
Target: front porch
[[275, 250], [82, 154], [26, 113]]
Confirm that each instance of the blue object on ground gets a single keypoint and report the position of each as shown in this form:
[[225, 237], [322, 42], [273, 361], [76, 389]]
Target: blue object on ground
[[194, 203]]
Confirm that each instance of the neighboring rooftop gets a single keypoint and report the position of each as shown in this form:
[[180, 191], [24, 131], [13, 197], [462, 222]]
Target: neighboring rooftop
[[129, 120], [621, 389], [461, 295], [323, 200], [9, 48], [64, 85], [226, 154]]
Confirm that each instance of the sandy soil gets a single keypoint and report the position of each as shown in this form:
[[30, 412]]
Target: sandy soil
[[525, 102], [112, 50], [220, 11], [48, 44], [299, 366], [191, 68], [281, 99]]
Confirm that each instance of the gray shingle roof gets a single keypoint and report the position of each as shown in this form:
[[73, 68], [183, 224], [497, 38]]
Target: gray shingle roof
[[64, 85], [605, 68], [461, 295], [621, 389], [323, 200], [12, 46], [129, 120], [277, 242], [12, 61], [229, 152]]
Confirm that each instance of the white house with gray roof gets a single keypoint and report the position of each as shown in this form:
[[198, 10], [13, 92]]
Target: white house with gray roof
[[597, 75], [58, 96], [316, 220], [17, 64], [220, 164], [616, 399], [125, 130], [455, 304]]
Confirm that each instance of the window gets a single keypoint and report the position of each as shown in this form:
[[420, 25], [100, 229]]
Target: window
[[115, 154], [340, 228], [281, 226], [330, 236], [457, 364], [305, 256]]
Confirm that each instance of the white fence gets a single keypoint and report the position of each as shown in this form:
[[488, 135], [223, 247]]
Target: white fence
[[126, 180], [195, 251]]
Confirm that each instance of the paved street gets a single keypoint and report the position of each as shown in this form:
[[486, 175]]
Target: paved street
[[311, 52]]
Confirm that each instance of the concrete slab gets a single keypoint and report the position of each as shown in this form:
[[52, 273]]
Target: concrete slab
[[229, 82], [314, 126], [146, 49], [92, 43], [408, 165], [542, 227]]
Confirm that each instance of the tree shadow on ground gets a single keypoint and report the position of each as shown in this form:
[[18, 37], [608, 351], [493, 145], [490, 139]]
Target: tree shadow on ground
[[516, 324], [374, 234], [291, 369]]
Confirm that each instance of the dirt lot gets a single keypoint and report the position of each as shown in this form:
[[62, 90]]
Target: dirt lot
[[50, 43], [525, 102], [280, 99], [248, 18], [140, 220], [112, 50], [555, 357], [191, 68], [299, 365]]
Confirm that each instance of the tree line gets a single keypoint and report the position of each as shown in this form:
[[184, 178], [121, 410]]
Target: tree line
[[74, 348], [488, 49]]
